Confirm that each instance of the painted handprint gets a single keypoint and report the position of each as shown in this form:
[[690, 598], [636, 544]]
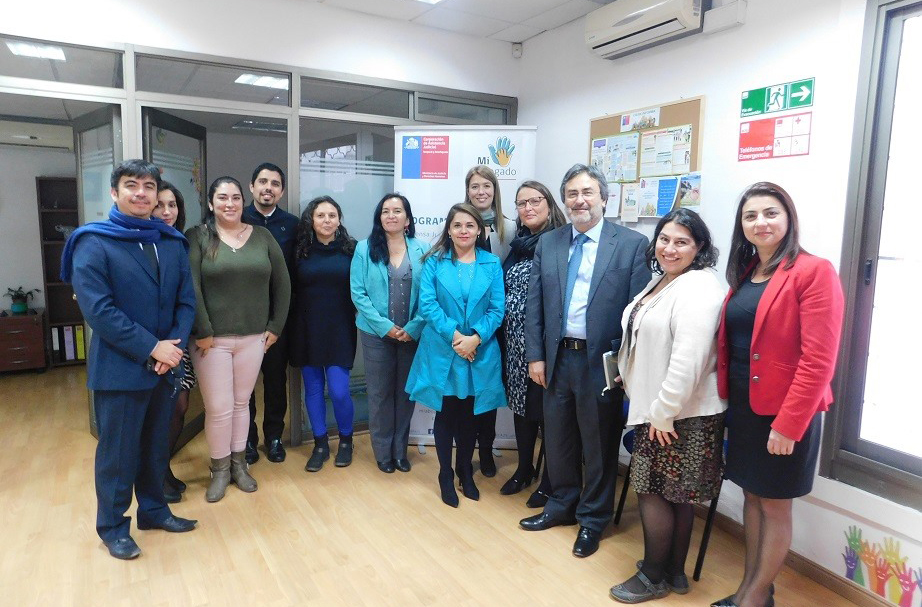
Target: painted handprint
[[869, 555], [851, 563], [883, 574], [853, 537], [903, 575], [891, 553], [502, 153]]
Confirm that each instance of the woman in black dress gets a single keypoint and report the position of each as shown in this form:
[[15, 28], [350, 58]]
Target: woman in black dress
[[777, 344], [323, 341], [537, 213], [171, 209]]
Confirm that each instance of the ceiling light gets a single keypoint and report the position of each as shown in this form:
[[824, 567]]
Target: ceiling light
[[429, 1], [40, 51], [267, 81]]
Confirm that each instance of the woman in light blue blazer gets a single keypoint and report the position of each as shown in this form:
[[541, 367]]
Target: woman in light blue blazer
[[384, 277], [457, 370]]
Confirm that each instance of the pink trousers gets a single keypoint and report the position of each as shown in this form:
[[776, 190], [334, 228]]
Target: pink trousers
[[226, 376]]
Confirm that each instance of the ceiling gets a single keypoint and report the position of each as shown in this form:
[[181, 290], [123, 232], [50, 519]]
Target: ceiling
[[509, 20]]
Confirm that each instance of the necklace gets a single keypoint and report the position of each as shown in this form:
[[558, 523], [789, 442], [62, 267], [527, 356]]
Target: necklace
[[237, 239]]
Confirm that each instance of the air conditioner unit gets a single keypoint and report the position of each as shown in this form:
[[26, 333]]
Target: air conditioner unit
[[627, 26]]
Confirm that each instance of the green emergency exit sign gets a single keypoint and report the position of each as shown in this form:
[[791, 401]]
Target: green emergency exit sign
[[777, 98]]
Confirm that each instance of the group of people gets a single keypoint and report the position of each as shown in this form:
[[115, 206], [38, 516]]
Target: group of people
[[494, 313]]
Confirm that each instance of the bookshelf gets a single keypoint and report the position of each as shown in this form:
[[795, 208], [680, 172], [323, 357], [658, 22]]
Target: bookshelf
[[57, 213]]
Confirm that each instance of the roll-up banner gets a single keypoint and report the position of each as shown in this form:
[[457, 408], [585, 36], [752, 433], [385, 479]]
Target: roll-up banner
[[429, 168]]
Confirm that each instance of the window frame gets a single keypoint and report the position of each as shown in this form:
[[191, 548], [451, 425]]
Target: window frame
[[846, 457]]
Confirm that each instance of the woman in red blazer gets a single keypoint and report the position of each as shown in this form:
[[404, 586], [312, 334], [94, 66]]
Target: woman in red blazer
[[777, 344]]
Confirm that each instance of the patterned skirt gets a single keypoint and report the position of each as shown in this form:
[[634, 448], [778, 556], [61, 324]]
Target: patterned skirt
[[189, 380], [690, 469]]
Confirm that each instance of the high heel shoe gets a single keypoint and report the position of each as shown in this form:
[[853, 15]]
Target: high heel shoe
[[468, 488], [447, 487]]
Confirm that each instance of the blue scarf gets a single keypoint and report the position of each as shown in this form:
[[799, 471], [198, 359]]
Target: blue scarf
[[119, 227]]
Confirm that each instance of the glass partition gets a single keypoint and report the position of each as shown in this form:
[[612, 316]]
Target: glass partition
[[356, 98], [58, 62]]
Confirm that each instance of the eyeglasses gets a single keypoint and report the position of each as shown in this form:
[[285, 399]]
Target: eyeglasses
[[573, 195], [532, 202]]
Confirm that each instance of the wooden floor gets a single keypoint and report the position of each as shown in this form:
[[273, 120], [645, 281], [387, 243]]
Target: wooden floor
[[343, 536]]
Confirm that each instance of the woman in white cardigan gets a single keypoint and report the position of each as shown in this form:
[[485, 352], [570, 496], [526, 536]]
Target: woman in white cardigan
[[668, 364]]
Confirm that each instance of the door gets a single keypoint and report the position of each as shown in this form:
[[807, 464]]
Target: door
[[98, 145], [177, 147]]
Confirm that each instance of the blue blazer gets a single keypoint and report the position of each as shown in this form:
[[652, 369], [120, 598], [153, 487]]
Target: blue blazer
[[444, 311], [129, 308], [371, 290]]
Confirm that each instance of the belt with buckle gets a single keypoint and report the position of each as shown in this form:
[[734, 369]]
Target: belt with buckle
[[571, 343]]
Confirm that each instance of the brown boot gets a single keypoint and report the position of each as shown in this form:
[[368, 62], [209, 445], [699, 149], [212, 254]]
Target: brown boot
[[220, 478], [239, 473]]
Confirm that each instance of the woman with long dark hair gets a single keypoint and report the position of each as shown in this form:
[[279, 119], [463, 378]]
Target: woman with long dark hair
[[323, 341], [457, 368], [171, 210], [481, 191], [668, 363], [242, 288], [537, 213], [384, 280], [777, 344]]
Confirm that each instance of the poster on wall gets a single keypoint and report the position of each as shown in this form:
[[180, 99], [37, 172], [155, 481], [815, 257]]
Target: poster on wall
[[665, 151], [690, 191], [430, 164], [616, 156], [614, 200], [775, 137], [629, 202], [656, 196], [643, 119]]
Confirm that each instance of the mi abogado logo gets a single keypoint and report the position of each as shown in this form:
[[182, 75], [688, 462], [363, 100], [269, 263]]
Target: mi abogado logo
[[501, 156]]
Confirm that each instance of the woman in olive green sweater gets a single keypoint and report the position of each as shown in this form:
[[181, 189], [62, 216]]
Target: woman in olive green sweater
[[243, 292]]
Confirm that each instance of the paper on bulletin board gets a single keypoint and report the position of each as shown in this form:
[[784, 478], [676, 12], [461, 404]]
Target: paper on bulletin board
[[666, 151], [629, 202], [616, 156], [644, 119], [614, 200], [690, 191], [656, 196]]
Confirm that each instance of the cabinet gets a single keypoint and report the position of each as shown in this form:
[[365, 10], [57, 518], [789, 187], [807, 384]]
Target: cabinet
[[58, 217], [22, 342]]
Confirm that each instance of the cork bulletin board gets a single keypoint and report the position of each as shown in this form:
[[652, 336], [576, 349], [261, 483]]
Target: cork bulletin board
[[651, 158]]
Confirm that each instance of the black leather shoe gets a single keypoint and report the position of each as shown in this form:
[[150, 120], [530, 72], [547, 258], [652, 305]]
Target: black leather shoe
[[123, 548], [587, 542], [387, 467], [516, 484], [275, 452], [540, 522], [174, 482], [402, 464], [170, 493], [173, 524], [538, 499], [251, 455]]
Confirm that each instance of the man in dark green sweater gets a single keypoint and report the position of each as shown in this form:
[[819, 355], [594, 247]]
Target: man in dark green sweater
[[267, 186]]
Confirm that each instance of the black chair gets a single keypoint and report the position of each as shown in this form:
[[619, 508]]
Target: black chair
[[628, 442]]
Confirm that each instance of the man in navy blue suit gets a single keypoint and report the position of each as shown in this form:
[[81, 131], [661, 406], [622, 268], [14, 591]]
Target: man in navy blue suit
[[132, 280]]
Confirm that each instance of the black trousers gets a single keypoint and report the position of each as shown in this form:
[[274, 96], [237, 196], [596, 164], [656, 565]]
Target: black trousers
[[454, 424], [581, 426], [275, 393]]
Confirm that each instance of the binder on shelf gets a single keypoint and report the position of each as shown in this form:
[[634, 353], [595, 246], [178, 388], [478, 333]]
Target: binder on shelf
[[69, 352], [80, 345], [55, 342]]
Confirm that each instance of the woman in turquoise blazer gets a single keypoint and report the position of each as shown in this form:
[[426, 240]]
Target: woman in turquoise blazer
[[384, 277], [457, 370]]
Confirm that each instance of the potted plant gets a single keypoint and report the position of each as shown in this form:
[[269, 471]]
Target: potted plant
[[20, 299]]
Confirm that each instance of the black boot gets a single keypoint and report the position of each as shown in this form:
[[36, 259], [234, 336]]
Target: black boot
[[344, 451], [447, 487], [466, 479], [320, 454], [174, 482]]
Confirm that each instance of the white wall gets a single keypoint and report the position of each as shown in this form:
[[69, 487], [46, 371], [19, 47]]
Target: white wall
[[563, 86], [293, 32], [20, 248]]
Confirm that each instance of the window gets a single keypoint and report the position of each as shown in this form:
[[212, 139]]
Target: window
[[57, 62], [358, 98], [871, 441], [209, 80]]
